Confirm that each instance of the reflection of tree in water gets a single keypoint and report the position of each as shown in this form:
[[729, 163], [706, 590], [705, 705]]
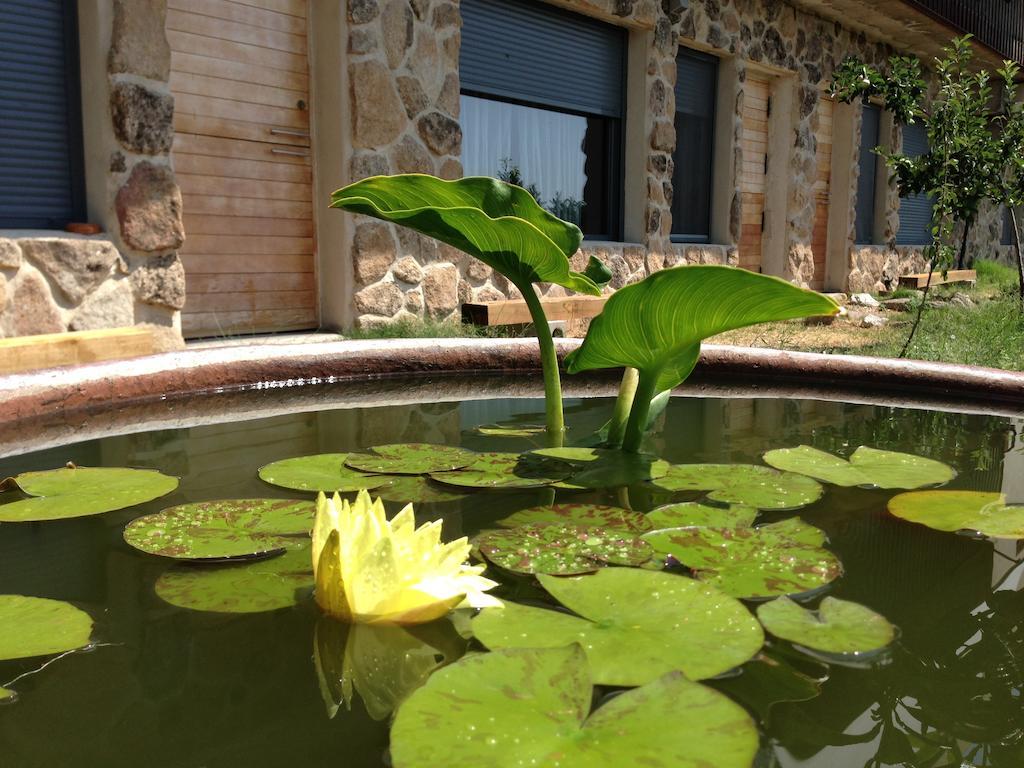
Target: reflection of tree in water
[[565, 208]]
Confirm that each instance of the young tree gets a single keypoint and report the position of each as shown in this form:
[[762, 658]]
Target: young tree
[[1007, 186], [964, 154]]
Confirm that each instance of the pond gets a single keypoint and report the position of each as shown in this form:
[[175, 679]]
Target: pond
[[166, 685]]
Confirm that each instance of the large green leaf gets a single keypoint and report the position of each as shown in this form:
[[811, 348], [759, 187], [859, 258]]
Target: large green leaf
[[778, 559], [498, 470], [81, 491], [498, 223], [982, 512], [657, 325], [37, 626], [747, 484], [561, 549], [867, 466], [634, 625], [265, 585], [575, 514], [838, 626], [221, 530], [321, 472], [410, 459], [529, 707]]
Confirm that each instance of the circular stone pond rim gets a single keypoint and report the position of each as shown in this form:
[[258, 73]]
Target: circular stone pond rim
[[216, 384]]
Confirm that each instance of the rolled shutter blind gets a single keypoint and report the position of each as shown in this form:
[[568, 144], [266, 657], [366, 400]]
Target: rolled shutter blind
[[519, 50], [915, 210], [868, 161], [40, 140], [695, 83], [1007, 234]]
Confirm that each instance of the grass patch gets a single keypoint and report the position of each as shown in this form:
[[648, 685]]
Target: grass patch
[[427, 328]]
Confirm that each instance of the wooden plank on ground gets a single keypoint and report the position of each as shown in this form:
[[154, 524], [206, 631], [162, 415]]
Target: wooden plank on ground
[[33, 353], [920, 280], [516, 312]]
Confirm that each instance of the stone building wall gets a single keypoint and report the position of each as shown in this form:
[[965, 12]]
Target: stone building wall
[[52, 282]]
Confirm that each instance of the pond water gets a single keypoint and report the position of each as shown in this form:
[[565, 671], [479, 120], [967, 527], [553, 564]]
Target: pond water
[[166, 686]]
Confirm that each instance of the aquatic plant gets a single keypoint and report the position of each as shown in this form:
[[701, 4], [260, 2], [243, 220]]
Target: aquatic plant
[[368, 569]]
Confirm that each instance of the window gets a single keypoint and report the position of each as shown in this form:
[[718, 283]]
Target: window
[[915, 210], [41, 176], [542, 107], [871, 117], [1007, 235], [696, 82]]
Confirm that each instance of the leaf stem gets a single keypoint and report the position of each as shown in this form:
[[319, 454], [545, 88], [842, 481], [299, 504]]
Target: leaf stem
[[623, 403], [638, 414], [549, 367]]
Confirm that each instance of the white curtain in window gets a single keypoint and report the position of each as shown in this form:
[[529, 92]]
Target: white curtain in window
[[546, 146]]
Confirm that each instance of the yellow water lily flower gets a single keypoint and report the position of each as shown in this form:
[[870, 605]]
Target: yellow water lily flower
[[373, 570]]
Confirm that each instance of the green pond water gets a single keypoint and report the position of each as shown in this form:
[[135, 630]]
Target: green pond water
[[166, 686]]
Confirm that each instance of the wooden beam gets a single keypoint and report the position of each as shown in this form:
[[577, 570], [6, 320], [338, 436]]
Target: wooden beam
[[952, 276], [516, 312], [30, 353]]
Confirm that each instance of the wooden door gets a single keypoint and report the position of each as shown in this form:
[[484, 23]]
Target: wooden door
[[822, 190], [757, 91], [240, 78]]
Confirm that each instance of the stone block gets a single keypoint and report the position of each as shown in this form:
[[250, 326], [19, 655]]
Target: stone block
[[382, 299], [373, 252], [414, 302], [112, 305], [10, 253], [408, 271], [378, 113], [451, 169], [366, 164], [663, 136], [441, 134], [441, 289], [362, 11], [160, 281], [138, 43], [142, 118], [412, 95], [76, 266], [448, 99], [396, 22], [149, 209], [31, 309], [409, 156]]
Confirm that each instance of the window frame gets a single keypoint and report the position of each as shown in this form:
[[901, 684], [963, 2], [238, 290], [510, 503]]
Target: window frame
[[860, 207], [685, 237]]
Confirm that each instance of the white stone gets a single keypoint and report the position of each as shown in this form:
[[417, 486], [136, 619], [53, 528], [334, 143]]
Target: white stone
[[864, 300], [873, 321]]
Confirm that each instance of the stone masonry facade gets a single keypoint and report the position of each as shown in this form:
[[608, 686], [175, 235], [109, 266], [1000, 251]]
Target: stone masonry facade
[[403, 70], [130, 274]]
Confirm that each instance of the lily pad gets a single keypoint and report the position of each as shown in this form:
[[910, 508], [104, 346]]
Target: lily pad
[[561, 549], [765, 681], [406, 489], [38, 626], [746, 484], [605, 468], [511, 430], [634, 625], [599, 515], [7, 695], [753, 562], [981, 512], [867, 466], [498, 470], [265, 585], [81, 491], [538, 701], [322, 472], [410, 459], [221, 530], [693, 513], [838, 626]]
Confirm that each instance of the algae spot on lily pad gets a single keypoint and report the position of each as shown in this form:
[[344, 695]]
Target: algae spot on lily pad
[[538, 701], [264, 585], [600, 515], [221, 530], [497, 470], [770, 560], [748, 484], [693, 513], [838, 626], [321, 472], [634, 625], [981, 512], [38, 626], [595, 468], [73, 491], [561, 549], [410, 459], [867, 466]]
